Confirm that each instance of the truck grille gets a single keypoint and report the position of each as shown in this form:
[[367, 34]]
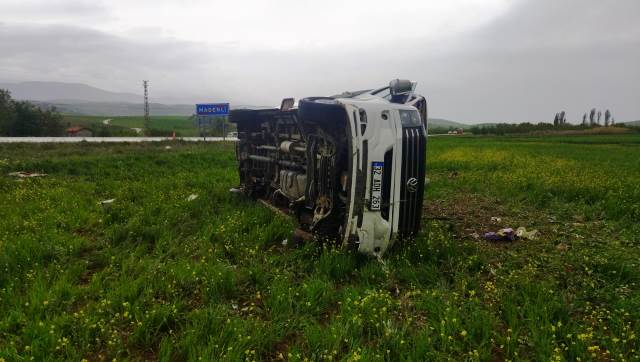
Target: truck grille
[[413, 167]]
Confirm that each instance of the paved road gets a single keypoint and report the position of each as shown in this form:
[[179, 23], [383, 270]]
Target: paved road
[[106, 139]]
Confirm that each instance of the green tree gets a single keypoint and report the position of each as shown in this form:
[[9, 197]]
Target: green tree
[[7, 112], [22, 118]]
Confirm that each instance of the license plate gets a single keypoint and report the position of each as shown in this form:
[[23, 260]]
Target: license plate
[[377, 168]]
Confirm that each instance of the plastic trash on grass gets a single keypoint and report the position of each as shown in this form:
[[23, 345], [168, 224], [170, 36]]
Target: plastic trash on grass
[[23, 174], [508, 234]]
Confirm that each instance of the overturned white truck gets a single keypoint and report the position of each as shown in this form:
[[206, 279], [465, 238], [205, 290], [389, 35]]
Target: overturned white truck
[[350, 167]]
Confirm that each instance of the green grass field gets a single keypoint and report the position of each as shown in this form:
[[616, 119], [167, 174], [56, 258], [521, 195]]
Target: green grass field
[[182, 125], [153, 276]]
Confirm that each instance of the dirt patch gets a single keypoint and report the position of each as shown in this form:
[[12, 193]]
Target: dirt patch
[[91, 255], [282, 347], [470, 215]]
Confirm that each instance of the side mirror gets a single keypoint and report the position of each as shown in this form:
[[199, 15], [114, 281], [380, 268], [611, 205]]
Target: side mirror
[[287, 104]]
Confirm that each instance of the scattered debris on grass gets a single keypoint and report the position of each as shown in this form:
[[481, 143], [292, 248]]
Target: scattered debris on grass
[[522, 233], [492, 236], [473, 217], [23, 174], [508, 234], [107, 202], [192, 197], [468, 214]]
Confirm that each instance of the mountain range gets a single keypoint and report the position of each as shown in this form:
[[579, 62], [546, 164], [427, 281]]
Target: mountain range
[[82, 99], [113, 109], [59, 92]]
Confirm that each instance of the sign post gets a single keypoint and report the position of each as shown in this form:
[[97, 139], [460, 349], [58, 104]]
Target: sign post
[[207, 111]]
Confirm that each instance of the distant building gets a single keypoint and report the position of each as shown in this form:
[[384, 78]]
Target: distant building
[[79, 132], [457, 131]]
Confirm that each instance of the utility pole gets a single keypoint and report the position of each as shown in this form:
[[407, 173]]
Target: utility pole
[[147, 120]]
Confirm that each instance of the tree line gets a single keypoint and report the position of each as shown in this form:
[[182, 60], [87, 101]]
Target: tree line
[[22, 118], [593, 119], [526, 127]]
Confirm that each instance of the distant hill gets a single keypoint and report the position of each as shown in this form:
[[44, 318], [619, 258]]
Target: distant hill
[[120, 108], [59, 92], [445, 123], [82, 99], [487, 124]]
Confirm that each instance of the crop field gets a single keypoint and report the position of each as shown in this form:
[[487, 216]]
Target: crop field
[[174, 267], [182, 125]]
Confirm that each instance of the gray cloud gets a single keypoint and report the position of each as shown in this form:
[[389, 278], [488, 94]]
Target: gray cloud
[[538, 58], [60, 10], [64, 53]]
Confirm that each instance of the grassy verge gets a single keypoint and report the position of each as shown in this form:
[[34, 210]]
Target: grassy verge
[[156, 276]]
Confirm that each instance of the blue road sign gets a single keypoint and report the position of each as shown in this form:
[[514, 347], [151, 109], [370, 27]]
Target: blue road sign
[[212, 109]]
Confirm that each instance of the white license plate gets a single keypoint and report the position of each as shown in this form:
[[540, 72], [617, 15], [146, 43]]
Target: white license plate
[[377, 169]]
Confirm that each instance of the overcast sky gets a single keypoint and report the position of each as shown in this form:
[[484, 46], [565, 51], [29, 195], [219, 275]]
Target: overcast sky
[[474, 60]]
